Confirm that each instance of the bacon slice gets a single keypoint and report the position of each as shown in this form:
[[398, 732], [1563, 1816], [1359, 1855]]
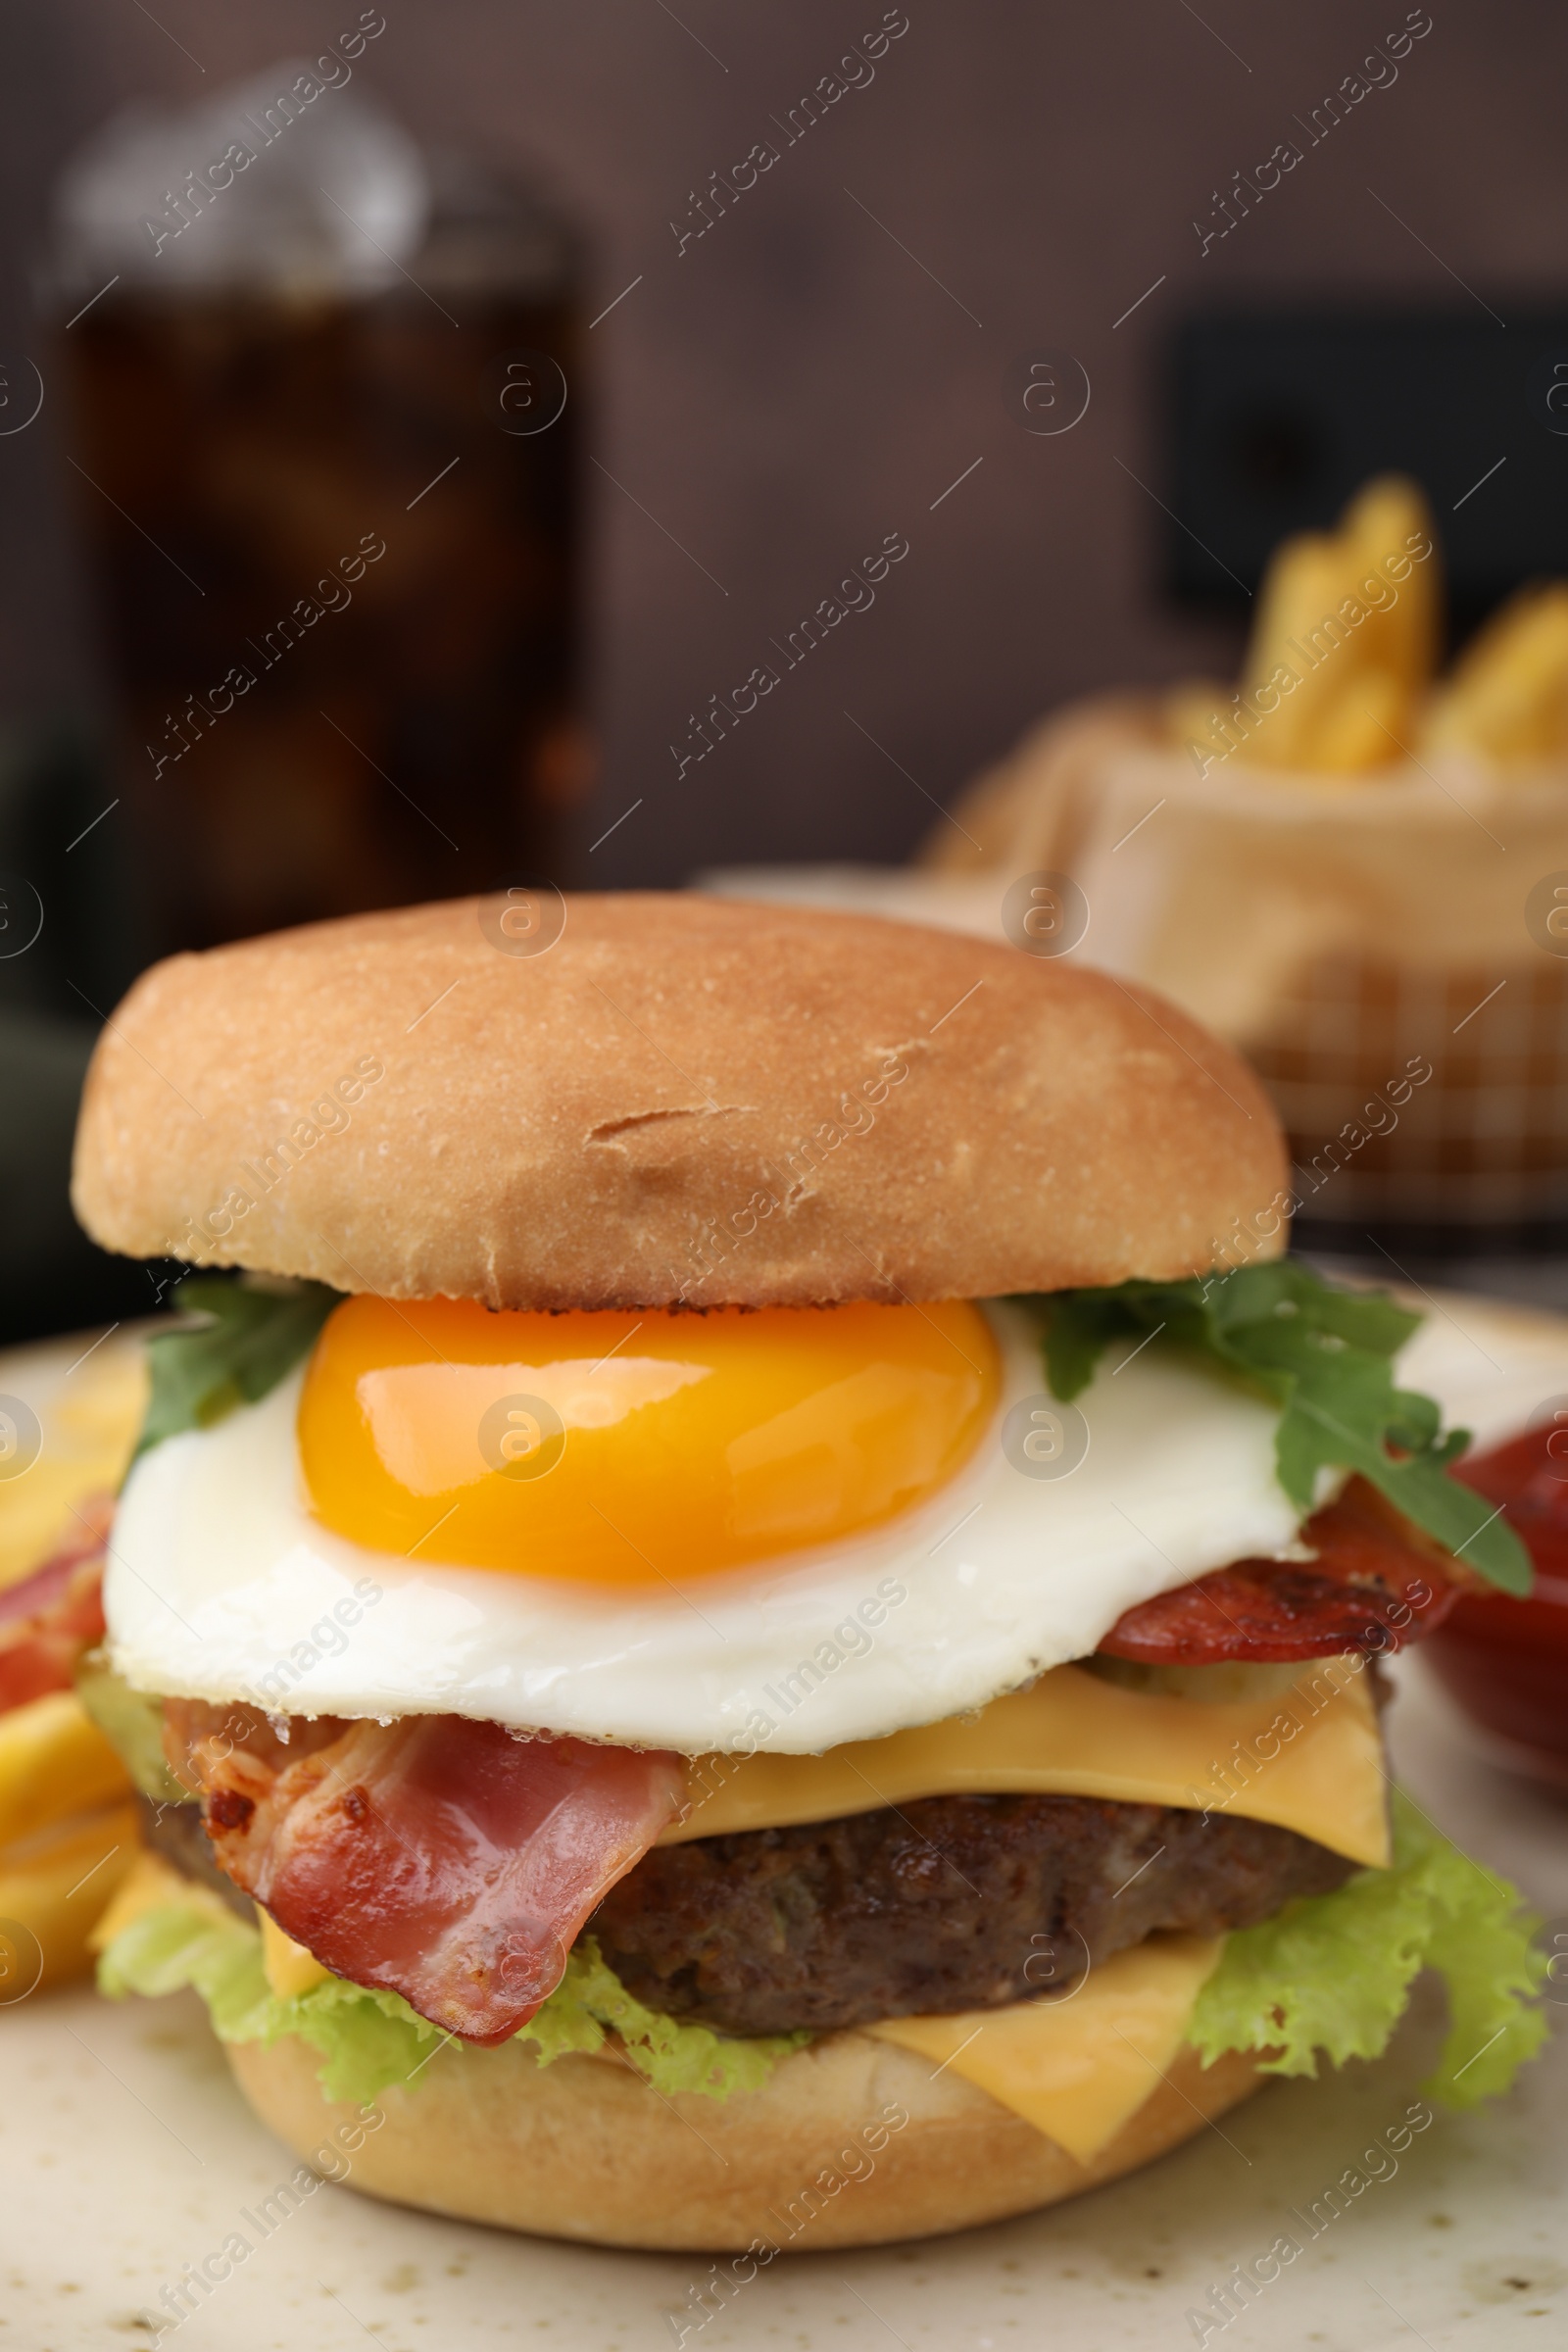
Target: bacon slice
[[1376, 1583], [199, 1737], [445, 1860], [49, 1618]]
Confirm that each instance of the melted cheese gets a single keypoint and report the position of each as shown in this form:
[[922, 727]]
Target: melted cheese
[[1077, 2069], [1308, 1759], [291, 1968]]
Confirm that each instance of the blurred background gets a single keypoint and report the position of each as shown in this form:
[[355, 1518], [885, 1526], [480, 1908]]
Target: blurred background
[[614, 446]]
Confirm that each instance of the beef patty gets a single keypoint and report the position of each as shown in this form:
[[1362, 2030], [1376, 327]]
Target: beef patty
[[177, 1833], [951, 1903]]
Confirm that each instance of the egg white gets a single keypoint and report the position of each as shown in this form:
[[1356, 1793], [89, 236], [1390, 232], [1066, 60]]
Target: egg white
[[222, 1586]]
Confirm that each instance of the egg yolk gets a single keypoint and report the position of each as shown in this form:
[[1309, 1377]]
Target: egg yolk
[[634, 1448]]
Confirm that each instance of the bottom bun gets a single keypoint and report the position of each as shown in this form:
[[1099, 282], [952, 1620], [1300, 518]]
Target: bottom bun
[[851, 2142]]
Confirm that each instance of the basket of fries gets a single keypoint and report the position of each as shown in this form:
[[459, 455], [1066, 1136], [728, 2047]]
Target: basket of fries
[[1351, 864]]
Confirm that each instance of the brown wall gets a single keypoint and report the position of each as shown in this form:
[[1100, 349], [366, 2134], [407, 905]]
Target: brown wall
[[795, 385]]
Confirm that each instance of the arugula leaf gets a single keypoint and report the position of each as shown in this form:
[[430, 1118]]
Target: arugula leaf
[[250, 1340], [1324, 1356], [1331, 1973]]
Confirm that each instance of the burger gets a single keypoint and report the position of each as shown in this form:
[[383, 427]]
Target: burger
[[750, 1612]]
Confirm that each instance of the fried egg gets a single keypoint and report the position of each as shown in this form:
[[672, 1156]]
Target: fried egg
[[786, 1530]]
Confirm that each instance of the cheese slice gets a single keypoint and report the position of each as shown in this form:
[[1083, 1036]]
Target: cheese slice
[[291, 1968], [1309, 1759], [54, 1761], [1077, 2069]]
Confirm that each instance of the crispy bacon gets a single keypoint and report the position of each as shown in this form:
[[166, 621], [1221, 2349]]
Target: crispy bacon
[[199, 1736], [49, 1618], [445, 1860], [1375, 1583]]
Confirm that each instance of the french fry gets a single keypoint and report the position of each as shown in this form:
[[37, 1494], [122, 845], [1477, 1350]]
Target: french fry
[[91, 1433], [53, 1891], [1301, 652], [1388, 521], [1342, 649], [69, 1832], [1357, 639], [1508, 698], [54, 1761]]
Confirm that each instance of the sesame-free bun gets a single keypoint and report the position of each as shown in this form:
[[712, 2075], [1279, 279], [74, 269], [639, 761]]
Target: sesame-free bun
[[817, 2158], [677, 1099]]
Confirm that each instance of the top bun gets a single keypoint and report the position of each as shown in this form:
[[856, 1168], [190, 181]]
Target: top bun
[[670, 1100]]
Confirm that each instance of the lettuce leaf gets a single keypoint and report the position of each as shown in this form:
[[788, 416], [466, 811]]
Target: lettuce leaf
[[251, 1337], [368, 2039], [671, 2056], [1331, 1973], [1325, 1356], [133, 1723], [175, 1944]]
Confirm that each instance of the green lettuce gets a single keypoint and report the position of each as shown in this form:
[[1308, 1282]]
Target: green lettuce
[[369, 2040], [591, 2002], [133, 1723], [1331, 1973], [1325, 1357], [251, 1339]]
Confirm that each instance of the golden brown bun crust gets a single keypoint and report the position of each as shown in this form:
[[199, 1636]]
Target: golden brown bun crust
[[582, 2149], [684, 1099]]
